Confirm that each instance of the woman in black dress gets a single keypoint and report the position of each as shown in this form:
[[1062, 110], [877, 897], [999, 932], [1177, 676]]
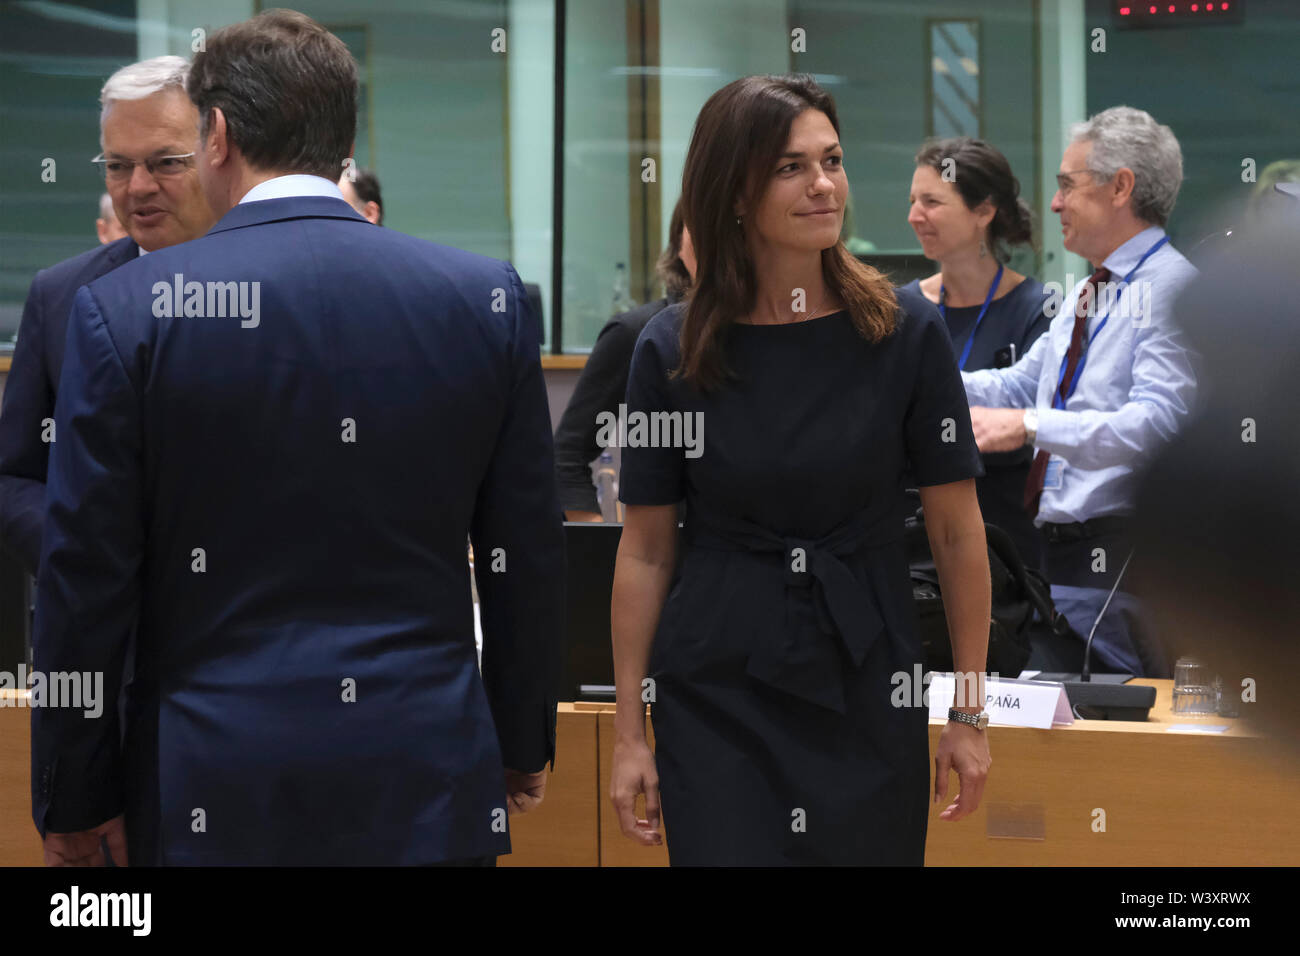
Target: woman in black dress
[[603, 382], [773, 668], [967, 223]]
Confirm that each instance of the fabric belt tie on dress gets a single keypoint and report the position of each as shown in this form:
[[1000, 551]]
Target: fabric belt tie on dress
[[822, 597]]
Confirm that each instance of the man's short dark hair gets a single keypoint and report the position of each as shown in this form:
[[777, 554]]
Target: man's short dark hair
[[288, 89], [366, 184]]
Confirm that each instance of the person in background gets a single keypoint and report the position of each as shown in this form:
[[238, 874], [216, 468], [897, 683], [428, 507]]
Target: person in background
[[1217, 513], [361, 189], [148, 129], [603, 380], [1111, 381], [107, 226], [966, 223], [1267, 206]]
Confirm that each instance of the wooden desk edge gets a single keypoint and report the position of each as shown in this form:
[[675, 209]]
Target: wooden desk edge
[[564, 361], [1158, 725]]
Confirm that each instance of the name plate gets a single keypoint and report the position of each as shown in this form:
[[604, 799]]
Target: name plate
[[1009, 702]]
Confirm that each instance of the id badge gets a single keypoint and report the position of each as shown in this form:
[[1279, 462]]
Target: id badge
[[1052, 477]]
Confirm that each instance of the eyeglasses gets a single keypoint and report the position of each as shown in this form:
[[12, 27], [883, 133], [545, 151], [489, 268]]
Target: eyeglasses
[[1066, 185], [160, 167]]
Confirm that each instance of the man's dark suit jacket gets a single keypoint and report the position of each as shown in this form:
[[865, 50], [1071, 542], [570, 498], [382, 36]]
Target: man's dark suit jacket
[[282, 503], [29, 393]]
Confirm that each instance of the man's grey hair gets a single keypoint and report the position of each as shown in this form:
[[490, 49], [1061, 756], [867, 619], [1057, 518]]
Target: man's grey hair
[[142, 79], [106, 207], [1126, 137]]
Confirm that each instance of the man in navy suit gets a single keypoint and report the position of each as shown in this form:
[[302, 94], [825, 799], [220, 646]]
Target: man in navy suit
[[272, 445], [147, 123]]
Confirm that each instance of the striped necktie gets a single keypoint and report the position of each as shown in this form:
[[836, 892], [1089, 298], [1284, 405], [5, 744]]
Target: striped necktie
[[1087, 296]]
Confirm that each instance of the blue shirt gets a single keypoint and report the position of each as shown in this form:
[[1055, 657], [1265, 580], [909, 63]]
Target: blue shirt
[[1136, 388]]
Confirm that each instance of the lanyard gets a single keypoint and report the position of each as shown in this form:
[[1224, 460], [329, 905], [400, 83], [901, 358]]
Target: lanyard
[[943, 309], [1057, 400]]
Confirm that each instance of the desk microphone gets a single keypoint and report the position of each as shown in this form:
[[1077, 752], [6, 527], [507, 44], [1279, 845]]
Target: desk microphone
[[1086, 675], [1105, 700]]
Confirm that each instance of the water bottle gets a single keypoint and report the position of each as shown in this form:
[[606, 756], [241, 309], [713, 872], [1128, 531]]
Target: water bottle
[[607, 486], [622, 298]]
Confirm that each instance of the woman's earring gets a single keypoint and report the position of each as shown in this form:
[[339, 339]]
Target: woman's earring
[[738, 218], [984, 249]]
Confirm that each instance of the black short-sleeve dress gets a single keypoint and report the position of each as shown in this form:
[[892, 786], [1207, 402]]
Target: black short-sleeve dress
[[778, 740]]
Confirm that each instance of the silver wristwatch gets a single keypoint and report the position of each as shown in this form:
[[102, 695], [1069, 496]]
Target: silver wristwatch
[[978, 721], [1031, 425]]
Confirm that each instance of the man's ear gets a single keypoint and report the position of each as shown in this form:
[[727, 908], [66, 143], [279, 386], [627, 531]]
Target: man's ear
[[217, 137], [371, 211], [1122, 186]]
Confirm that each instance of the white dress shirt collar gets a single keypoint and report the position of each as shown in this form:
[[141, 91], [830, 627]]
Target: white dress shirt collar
[[295, 184], [1127, 255], [283, 187]]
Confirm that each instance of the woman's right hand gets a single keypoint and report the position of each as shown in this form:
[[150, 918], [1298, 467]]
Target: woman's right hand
[[643, 572], [633, 774]]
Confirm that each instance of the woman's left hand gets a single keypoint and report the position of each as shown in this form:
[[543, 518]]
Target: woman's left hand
[[965, 749]]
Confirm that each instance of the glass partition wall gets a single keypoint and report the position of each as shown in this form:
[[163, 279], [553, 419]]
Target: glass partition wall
[[552, 133]]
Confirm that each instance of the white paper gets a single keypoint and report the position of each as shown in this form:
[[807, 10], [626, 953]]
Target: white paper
[[1196, 728], [1010, 703]]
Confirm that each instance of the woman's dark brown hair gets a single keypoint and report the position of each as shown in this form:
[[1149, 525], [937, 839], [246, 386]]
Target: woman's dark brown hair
[[670, 268], [739, 136], [981, 172]]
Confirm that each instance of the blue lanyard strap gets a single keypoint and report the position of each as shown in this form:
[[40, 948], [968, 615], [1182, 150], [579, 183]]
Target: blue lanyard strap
[[943, 310], [1057, 400]]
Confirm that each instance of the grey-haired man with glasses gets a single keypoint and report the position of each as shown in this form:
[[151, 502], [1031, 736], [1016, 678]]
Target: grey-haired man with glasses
[[1111, 381], [148, 131]]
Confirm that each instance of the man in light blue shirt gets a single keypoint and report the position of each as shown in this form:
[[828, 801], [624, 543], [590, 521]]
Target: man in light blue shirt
[[1101, 410]]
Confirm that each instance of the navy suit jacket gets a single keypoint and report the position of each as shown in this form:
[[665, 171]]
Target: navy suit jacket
[[280, 500], [29, 393]]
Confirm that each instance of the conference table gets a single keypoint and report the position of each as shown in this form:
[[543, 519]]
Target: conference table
[[1092, 793]]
